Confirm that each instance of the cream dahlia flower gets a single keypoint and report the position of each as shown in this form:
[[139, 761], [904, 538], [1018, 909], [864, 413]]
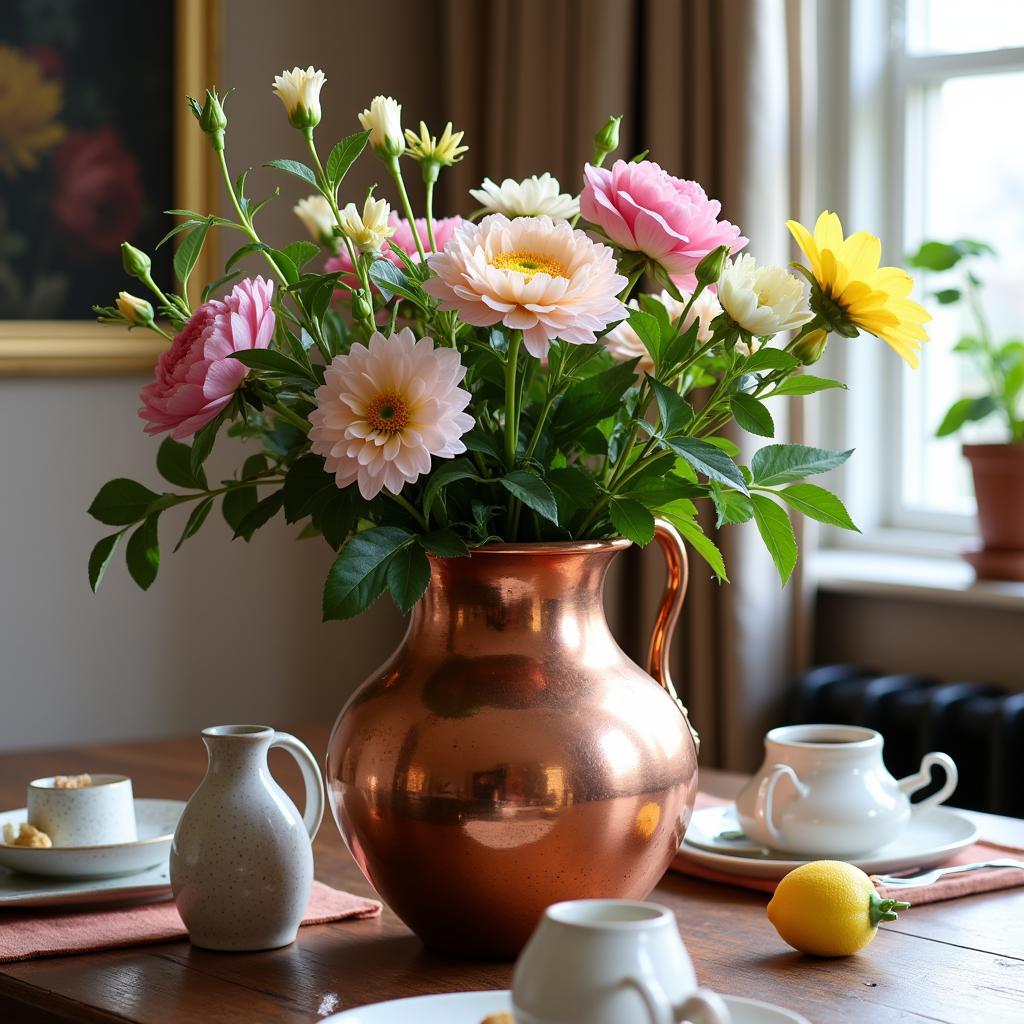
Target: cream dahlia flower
[[383, 120], [763, 300], [370, 230], [299, 91], [317, 217], [531, 197], [530, 274], [623, 343], [386, 408]]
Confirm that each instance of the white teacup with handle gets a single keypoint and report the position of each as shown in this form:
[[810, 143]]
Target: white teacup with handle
[[823, 790], [610, 962]]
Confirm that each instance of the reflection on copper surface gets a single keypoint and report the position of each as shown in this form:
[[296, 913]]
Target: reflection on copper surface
[[509, 754]]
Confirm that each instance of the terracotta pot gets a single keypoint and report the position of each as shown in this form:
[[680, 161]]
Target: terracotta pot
[[998, 471], [509, 755]]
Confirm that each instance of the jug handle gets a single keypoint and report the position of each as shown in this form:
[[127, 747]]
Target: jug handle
[[676, 578], [912, 783], [314, 812]]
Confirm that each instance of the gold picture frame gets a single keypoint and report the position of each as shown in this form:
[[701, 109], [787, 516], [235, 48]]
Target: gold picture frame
[[48, 348]]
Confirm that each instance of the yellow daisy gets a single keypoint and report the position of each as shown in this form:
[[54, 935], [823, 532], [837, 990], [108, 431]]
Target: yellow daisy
[[29, 104], [857, 292]]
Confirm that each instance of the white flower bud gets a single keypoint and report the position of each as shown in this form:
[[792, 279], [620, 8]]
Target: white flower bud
[[299, 91], [383, 121]]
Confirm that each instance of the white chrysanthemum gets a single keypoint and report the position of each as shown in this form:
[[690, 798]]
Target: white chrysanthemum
[[531, 197], [623, 343], [299, 91], [317, 217], [530, 274], [763, 300], [372, 228], [383, 120], [386, 408]]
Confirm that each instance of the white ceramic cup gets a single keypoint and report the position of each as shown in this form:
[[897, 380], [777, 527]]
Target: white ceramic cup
[[609, 962], [101, 814], [824, 790]]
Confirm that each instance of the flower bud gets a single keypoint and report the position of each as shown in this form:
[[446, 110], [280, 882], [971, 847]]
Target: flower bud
[[607, 139], [317, 217], [710, 268], [299, 91], [135, 262], [383, 120], [362, 307], [211, 117], [811, 347], [134, 310]]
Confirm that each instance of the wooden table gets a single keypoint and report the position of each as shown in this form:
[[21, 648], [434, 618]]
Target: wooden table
[[961, 961]]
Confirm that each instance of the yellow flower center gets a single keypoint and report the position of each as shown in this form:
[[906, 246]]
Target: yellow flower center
[[388, 413], [528, 264]]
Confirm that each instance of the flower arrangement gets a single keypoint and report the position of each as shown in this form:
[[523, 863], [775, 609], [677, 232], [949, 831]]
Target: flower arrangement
[[442, 384]]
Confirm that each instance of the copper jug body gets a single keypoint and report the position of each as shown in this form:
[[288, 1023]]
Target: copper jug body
[[509, 755]]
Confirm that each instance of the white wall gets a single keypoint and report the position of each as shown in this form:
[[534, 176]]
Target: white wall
[[229, 632]]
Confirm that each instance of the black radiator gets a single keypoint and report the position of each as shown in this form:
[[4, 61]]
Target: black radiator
[[980, 727]]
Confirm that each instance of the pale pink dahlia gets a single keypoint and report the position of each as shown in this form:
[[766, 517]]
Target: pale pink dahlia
[[531, 274], [386, 408], [642, 208], [195, 378]]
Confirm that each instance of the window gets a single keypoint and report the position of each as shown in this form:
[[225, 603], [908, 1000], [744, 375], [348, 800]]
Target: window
[[934, 150]]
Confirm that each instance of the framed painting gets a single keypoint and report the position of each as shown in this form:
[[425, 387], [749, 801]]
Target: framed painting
[[96, 141]]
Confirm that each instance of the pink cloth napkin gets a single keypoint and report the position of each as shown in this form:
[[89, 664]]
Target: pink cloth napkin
[[948, 888], [28, 934]]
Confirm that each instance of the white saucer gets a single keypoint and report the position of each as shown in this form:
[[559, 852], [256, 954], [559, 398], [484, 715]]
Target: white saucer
[[20, 890], [155, 821], [931, 838], [472, 1007]]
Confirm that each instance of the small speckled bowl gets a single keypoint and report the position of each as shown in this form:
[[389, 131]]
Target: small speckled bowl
[[95, 815]]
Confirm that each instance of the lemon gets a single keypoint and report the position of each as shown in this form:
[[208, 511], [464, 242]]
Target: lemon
[[829, 908]]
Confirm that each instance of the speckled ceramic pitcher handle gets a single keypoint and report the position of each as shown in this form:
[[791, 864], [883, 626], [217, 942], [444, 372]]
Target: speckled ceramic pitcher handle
[[676, 578], [314, 812]]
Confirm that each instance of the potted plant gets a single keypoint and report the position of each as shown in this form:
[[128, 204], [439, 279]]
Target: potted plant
[[997, 468], [478, 415]]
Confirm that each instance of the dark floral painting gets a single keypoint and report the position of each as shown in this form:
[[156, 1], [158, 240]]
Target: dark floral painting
[[86, 137]]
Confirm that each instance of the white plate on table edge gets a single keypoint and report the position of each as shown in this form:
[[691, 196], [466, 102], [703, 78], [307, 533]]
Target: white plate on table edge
[[155, 821], [472, 1007], [929, 839]]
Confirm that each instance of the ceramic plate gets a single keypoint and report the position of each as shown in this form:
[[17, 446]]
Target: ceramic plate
[[20, 890], [154, 819], [472, 1007], [931, 838]]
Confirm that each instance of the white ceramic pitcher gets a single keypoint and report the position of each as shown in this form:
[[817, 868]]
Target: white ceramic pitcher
[[823, 790], [242, 855]]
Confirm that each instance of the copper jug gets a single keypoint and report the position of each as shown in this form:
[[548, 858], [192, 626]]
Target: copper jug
[[509, 755]]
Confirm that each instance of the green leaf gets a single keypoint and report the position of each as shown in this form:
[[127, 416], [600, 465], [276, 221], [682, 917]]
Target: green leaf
[[632, 520], [188, 252], [359, 573], [243, 251], [752, 415], [408, 576], [339, 515], [532, 492], [731, 507], [781, 463], [143, 553], [819, 504], [391, 282], [270, 360], [203, 442], [195, 520], [947, 296], [300, 253], [253, 466], [237, 504], [299, 169], [969, 344], [343, 156], [681, 346], [121, 502], [674, 411], [100, 557], [444, 544], [221, 282], [777, 534], [445, 474], [174, 463], [259, 515], [965, 410], [573, 490], [805, 384], [591, 399], [701, 543], [662, 489], [648, 331], [935, 256], [711, 461], [770, 359], [306, 486]]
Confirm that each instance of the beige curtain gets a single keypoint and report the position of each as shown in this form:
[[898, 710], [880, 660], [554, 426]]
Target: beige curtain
[[715, 89]]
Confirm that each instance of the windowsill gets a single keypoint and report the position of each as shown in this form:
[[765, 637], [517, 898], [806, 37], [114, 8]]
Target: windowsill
[[913, 577]]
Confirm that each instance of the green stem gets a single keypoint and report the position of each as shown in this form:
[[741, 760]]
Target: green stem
[[292, 417], [631, 282], [159, 330], [408, 506], [396, 173], [884, 909], [511, 412], [429, 189]]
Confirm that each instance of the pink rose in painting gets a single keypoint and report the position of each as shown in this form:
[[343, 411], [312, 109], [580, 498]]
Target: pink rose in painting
[[98, 195], [644, 209], [195, 378]]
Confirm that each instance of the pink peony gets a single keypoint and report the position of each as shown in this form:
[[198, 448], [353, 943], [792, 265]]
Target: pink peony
[[644, 209], [195, 378]]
